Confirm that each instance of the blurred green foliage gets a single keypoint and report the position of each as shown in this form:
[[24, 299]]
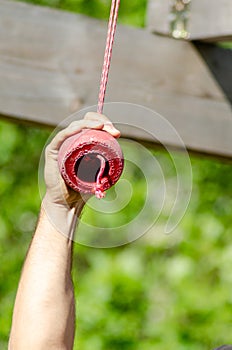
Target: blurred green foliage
[[131, 12], [160, 292]]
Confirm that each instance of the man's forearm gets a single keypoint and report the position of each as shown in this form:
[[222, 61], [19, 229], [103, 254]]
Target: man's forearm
[[44, 312]]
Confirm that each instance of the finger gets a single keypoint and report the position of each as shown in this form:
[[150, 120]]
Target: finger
[[108, 126], [111, 130], [73, 129]]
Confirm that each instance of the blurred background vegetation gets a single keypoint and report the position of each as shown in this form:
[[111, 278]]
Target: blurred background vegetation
[[171, 292]]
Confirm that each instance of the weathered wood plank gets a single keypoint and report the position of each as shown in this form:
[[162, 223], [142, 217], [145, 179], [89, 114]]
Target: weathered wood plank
[[208, 19], [50, 64]]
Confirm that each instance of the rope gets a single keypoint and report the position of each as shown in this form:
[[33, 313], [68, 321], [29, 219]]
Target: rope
[[108, 53]]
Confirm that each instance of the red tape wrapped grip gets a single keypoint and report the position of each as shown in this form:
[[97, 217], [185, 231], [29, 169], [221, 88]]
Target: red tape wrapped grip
[[91, 162]]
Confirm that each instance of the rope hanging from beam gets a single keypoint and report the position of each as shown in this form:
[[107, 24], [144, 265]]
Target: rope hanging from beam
[[94, 166], [108, 53]]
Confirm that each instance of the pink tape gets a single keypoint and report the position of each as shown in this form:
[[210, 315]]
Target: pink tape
[[91, 161]]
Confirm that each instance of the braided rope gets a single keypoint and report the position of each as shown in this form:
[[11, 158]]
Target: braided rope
[[108, 53]]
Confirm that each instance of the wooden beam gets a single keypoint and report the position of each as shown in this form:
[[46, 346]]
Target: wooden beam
[[50, 64], [208, 20]]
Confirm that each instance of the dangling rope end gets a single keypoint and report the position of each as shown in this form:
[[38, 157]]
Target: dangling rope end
[[99, 192]]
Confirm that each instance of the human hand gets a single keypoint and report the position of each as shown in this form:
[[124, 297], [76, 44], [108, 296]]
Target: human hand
[[60, 198]]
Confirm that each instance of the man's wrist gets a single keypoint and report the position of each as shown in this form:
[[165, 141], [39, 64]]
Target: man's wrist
[[58, 204], [61, 216]]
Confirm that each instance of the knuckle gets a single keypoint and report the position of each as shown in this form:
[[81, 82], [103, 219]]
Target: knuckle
[[47, 150], [89, 115], [72, 124]]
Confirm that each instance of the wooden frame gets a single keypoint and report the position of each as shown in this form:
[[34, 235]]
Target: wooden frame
[[50, 64]]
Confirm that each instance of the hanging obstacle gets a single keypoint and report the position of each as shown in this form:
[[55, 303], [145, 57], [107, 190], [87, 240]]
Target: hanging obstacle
[[92, 161]]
